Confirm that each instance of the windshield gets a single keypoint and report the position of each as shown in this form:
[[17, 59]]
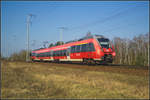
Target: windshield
[[103, 42]]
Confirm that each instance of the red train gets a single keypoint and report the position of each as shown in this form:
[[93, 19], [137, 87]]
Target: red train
[[90, 49]]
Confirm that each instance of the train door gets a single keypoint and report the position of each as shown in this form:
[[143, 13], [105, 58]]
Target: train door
[[90, 49], [51, 55], [68, 53]]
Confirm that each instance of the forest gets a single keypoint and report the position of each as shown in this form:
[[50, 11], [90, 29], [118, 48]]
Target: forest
[[132, 52]]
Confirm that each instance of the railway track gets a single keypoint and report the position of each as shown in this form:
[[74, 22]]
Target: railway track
[[115, 68], [99, 65]]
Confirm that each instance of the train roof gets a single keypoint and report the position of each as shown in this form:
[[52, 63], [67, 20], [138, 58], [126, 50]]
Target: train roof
[[87, 37], [68, 43]]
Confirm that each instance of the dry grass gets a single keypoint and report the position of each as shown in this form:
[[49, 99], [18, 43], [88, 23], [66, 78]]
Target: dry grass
[[32, 80]]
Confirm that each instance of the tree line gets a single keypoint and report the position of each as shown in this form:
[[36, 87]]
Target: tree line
[[128, 51], [132, 52]]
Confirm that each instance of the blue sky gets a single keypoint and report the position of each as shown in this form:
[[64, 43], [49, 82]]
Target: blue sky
[[124, 19]]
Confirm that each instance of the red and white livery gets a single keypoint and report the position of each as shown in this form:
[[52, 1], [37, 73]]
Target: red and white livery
[[91, 49]]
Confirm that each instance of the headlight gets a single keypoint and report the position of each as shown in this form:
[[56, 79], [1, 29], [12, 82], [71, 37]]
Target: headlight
[[113, 54]]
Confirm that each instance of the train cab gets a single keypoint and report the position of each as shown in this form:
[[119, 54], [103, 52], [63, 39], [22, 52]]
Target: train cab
[[107, 48]]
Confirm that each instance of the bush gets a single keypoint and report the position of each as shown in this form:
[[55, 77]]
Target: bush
[[21, 56]]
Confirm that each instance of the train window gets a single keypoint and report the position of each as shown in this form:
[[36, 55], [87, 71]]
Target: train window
[[83, 48], [64, 52], [58, 53], [61, 52], [46, 55], [104, 42], [91, 47], [54, 53], [49, 53], [72, 49], [78, 48]]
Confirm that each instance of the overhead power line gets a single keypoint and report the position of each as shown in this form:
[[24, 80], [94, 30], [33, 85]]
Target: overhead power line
[[100, 21]]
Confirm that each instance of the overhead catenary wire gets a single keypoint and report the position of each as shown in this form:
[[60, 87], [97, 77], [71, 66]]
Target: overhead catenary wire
[[100, 21]]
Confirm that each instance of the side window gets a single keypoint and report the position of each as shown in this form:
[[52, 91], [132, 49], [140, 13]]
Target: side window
[[83, 47], [78, 48], [65, 52], [62, 52], [49, 54], [54, 53], [59, 52], [73, 49], [91, 47]]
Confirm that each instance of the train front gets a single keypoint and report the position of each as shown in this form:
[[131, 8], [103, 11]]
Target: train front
[[107, 50]]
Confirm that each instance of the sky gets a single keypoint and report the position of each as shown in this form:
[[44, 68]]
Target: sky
[[124, 19]]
